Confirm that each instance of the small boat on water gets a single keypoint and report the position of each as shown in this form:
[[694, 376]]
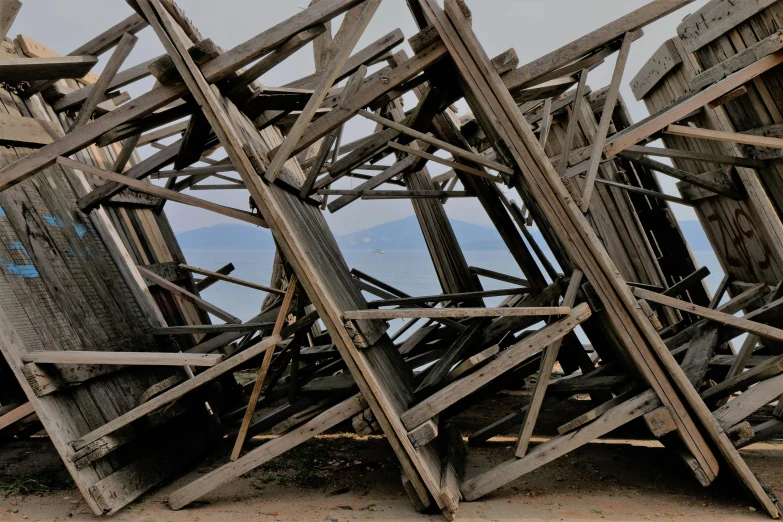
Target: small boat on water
[[379, 252]]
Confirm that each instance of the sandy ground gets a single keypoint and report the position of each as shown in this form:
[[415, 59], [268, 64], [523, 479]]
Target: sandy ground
[[340, 477], [612, 480]]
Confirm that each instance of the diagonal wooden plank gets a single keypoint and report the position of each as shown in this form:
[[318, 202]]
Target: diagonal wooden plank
[[286, 149], [545, 373]]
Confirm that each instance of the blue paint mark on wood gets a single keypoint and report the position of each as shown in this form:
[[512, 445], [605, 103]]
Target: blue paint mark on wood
[[80, 229], [2, 212], [54, 221], [27, 271]]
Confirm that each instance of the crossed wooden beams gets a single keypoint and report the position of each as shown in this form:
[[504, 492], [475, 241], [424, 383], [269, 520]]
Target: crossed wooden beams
[[245, 121]]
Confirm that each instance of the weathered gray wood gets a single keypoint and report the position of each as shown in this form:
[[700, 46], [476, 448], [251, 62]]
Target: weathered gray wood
[[747, 403], [548, 360], [175, 393], [34, 69], [123, 358], [432, 313], [749, 56], [715, 19], [28, 131], [695, 155], [604, 36], [124, 48], [196, 300], [665, 60], [8, 11], [506, 361], [554, 448], [200, 487]]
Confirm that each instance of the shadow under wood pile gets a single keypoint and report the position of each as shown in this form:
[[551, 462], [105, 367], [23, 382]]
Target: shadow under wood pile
[[105, 331]]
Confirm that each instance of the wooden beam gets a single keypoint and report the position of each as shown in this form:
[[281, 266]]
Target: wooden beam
[[506, 361], [454, 298], [724, 189], [398, 194], [726, 137], [273, 448], [196, 300], [607, 34], [607, 116], [267, 362], [124, 358], [546, 123], [14, 70], [8, 11], [172, 195], [491, 274], [752, 327], [121, 79], [109, 38], [211, 328], [16, 415], [573, 122], [453, 164], [556, 447], [458, 313], [124, 48], [286, 149], [175, 393], [233, 280], [645, 192], [27, 131], [679, 110], [699, 156], [548, 360], [141, 170], [687, 282], [435, 142]]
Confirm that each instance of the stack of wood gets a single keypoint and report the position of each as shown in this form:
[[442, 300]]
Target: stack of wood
[[104, 328]]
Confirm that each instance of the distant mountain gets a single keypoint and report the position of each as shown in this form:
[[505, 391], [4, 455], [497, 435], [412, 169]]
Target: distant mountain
[[227, 237], [404, 234]]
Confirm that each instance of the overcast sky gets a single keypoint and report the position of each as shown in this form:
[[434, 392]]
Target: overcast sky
[[531, 27]]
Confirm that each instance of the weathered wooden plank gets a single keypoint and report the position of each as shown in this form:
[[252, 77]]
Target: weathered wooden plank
[[8, 11], [35, 69], [196, 300], [233, 280], [556, 447], [459, 313], [154, 190], [328, 419], [28, 131], [679, 110], [124, 47], [15, 415], [665, 60], [715, 19], [510, 358], [123, 358], [604, 36]]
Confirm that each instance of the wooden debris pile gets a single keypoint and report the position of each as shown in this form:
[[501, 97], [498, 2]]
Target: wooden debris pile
[[106, 333]]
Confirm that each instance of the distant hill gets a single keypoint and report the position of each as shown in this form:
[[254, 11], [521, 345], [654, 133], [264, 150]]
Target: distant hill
[[227, 237], [404, 235]]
